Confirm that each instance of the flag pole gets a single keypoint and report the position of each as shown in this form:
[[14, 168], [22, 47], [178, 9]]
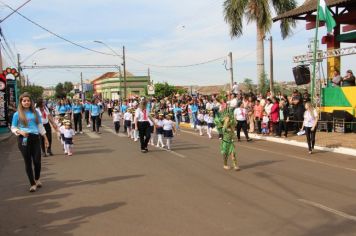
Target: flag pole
[[312, 87]]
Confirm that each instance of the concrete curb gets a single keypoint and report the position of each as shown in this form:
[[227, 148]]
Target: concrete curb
[[339, 150]]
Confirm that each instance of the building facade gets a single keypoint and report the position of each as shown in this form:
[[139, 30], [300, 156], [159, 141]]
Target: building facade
[[111, 85]]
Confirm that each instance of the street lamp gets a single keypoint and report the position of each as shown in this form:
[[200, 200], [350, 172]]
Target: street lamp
[[19, 62], [28, 57], [123, 63]]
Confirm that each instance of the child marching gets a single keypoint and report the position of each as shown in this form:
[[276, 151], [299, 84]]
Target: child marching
[[117, 117], [159, 130], [168, 130], [127, 122], [68, 134], [209, 119]]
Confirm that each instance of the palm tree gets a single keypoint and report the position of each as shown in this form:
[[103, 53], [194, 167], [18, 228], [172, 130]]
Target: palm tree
[[258, 11]]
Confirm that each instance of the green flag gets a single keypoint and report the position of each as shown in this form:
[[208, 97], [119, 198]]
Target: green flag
[[325, 15]]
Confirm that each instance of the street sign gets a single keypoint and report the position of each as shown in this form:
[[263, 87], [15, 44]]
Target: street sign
[[150, 89]]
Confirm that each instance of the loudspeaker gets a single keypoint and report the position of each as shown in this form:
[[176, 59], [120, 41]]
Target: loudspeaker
[[326, 116], [301, 74], [341, 114]]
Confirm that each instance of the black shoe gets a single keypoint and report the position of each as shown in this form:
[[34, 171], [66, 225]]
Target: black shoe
[[249, 140], [146, 149], [44, 154], [50, 152]]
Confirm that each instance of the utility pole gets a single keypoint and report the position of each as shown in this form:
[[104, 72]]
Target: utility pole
[[120, 77], [149, 76], [19, 68], [81, 85], [231, 70], [124, 65], [271, 87], [28, 80]]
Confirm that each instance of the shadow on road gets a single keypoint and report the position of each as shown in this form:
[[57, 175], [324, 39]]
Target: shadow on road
[[257, 164], [49, 213]]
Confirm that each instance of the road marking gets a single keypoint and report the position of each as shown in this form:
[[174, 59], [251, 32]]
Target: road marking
[[172, 152], [122, 135], [328, 209], [92, 134]]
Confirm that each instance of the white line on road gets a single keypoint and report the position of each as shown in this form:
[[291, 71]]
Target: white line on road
[[288, 155], [328, 209], [92, 134], [173, 152]]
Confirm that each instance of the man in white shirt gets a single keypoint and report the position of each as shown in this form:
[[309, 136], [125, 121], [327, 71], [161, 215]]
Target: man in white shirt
[[235, 88], [240, 114]]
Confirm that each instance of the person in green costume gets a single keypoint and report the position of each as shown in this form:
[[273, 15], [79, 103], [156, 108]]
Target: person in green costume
[[227, 124]]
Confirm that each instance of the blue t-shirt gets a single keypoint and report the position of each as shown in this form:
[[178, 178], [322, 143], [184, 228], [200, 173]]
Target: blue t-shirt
[[123, 108], [61, 109], [87, 106], [69, 108], [177, 110], [194, 108], [95, 110], [32, 127], [77, 108]]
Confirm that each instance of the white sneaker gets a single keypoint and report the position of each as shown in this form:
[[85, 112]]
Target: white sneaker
[[157, 145], [135, 139], [38, 184], [33, 188], [81, 132]]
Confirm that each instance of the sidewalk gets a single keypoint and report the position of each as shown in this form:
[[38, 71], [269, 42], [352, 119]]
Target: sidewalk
[[330, 142]]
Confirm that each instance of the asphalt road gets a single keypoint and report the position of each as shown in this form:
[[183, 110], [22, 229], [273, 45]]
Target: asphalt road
[[108, 187]]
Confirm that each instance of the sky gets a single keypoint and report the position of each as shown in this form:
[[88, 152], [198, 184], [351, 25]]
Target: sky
[[154, 32]]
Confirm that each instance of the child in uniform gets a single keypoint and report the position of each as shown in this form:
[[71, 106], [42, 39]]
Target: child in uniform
[[127, 122], [68, 134], [209, 119], [168, 130], [159, 130], [200, 122], [117, 117]]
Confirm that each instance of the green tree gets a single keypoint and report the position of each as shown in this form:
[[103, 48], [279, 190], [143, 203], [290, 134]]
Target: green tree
[[60, 92], [249, 84], [35, 91], [164, 90], [259, 12], [68, 87], [263, 86]]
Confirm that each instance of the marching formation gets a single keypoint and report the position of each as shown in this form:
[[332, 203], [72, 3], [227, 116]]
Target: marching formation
[[155, 121]]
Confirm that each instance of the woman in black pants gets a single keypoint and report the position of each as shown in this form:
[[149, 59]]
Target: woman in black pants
[[309, 125], [47, 121], [142, 124], [27, 125]]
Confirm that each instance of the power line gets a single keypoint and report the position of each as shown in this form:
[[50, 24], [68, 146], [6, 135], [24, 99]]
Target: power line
[[177, 66], [8, 55], [55, 34]]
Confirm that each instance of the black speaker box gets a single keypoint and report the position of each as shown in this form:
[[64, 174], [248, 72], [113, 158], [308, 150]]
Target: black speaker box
[[301, 74], [341, 114], [326, 116]]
